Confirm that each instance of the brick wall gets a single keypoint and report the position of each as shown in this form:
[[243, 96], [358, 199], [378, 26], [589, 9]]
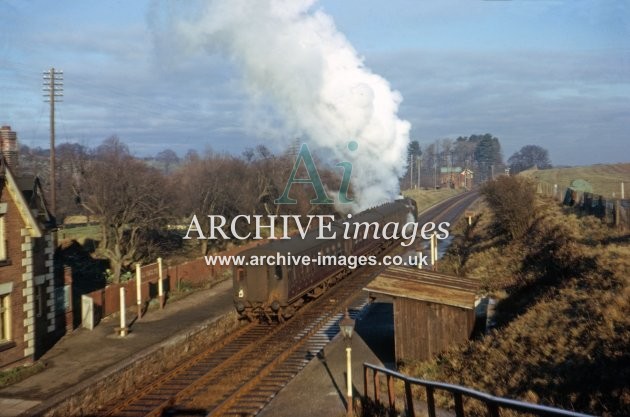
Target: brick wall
[[28, 266], [11, 271]]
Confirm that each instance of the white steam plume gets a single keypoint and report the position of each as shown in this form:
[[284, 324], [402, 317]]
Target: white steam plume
[[320, 87]]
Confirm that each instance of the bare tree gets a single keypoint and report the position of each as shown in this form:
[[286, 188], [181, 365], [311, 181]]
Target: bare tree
[[267, 176], [212, 185], [71, 162], [128, 198], [464, 152]]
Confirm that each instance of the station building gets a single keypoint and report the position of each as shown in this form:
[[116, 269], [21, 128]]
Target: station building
[[456, 177], [30, 296]]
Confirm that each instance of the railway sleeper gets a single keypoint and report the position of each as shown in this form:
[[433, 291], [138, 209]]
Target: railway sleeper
[[259, 397], [244, 411], [251, 403]]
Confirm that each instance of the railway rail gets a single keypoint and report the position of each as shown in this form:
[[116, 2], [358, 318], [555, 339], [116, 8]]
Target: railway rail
[[239, 376]]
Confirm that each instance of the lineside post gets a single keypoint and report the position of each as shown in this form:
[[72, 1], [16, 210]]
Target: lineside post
[[346, 325], [160, 283], [434, 251], [123, 314], [431, 250], [349, 410], [139, 290], [469, 214]]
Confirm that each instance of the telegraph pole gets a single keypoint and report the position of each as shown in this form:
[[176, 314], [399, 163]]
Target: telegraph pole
[[411, 171], [450, 167], [437, 162], [53, 91]]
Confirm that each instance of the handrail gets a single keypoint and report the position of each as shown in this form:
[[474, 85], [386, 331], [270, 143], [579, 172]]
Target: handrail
[[493, 403]]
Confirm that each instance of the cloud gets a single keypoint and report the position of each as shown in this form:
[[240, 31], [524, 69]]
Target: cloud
[[574, 103], [294, 61]]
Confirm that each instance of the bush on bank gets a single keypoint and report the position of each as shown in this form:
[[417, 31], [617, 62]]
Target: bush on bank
[[563, 320]]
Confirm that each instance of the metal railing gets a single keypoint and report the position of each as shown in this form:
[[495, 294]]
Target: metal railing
[[493, 404]]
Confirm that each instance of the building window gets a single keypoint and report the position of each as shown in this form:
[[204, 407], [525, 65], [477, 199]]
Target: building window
[[3, 240], [278, 272], [40, 300], [240, 275], [5, 318]]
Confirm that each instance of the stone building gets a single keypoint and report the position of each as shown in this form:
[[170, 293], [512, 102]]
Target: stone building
[[31, 298], [456, 177]]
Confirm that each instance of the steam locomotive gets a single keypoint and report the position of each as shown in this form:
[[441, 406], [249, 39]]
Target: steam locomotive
[[268, 292]]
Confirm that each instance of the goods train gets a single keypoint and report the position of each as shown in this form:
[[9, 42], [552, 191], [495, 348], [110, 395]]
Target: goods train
[[275, 292]]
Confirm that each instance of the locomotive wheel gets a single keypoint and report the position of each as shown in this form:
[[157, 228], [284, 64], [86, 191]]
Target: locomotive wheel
[[288, 312]]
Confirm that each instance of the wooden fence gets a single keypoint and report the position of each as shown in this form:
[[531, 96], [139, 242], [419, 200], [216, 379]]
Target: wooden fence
[[195, 273], [612, 211]]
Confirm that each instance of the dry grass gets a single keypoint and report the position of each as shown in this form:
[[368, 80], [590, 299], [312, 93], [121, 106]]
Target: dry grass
[[563, 321], [605, 179], [20, 373], [428, 198]]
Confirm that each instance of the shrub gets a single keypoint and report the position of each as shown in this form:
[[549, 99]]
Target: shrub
[[511, 200]]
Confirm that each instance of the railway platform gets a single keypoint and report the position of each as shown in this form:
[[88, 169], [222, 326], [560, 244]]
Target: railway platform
[[320, 388], [84, 354]]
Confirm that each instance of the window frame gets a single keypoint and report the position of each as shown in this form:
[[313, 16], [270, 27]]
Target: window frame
[[4, 253], [6, 334]]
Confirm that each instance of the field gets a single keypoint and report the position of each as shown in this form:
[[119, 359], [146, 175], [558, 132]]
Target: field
[[80, 233], [605, 179]]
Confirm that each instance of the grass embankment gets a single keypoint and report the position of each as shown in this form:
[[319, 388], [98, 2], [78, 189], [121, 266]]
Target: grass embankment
[[605, 179], [428, 198], [563, 320]]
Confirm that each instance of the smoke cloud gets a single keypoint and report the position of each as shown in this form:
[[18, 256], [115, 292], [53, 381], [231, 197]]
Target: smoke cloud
[[293, 55]]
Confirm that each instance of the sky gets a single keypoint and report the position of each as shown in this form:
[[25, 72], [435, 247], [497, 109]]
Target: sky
[[548, 73]]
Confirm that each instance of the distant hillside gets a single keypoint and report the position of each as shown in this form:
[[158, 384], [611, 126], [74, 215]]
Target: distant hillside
[[605, 179]]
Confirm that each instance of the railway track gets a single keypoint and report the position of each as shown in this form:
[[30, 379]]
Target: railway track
[[242, 374]]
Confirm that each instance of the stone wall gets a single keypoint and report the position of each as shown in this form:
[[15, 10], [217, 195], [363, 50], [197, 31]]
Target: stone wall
[[141, 368]]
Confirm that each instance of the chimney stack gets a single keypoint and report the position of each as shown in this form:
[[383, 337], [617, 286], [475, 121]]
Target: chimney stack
[[9, 147]]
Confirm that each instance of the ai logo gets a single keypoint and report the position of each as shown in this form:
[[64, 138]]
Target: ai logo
[[304, 156]]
